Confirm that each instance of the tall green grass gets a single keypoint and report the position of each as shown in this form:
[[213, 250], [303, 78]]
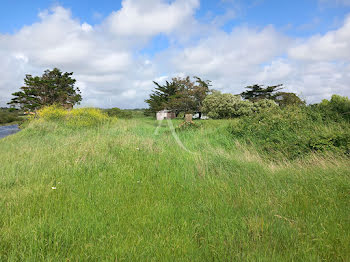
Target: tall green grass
[[120, 192], [294, 133]]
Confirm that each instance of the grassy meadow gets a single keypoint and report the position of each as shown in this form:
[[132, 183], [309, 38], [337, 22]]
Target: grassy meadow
[[121, 192]]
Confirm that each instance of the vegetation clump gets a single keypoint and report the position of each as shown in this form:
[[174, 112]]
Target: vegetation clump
[[220, 106], [181, 95], [53, 87], [117, 112], [188, 125], [80, 117], [293, 132], [8, 115], [336, 106]]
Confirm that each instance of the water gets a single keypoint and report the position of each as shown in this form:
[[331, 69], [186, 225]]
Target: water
[[8, 130]]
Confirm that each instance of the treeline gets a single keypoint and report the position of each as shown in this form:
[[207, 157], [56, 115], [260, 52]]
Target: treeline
[[196, 96], [294, 132], [124, 113], [9, 115], [277, 124]]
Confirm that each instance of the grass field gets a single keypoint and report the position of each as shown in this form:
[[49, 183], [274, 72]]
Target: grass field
[[120, 192]]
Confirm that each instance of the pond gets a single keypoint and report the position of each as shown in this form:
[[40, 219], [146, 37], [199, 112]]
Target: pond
[[8, 130]]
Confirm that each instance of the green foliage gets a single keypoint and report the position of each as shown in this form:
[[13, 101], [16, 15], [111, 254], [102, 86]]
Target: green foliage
[[262, 105], [76, 118], [333, 141], [53, 87], [284, 99], [337, 105], [179, 95], [8, 115], [117, 112], [160, 97], [219, 106], [257, 92], [292, 133]]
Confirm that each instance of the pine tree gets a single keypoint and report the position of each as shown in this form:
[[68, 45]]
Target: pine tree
[[53, 87]]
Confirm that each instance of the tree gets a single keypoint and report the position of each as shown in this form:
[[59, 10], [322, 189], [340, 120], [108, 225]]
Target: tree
[[200, 92], [53, 87], [160, 97], [257, 92], [182, 100], [284, 99], [338, 105], [179, 95]]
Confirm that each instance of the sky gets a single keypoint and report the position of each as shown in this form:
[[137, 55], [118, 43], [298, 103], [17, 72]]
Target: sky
[[116, 49]]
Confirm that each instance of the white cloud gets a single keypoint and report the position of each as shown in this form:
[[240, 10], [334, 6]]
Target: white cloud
[[105, 66], [231, 60], [111, 71], [151, 17], [315, 68], [334, 45]]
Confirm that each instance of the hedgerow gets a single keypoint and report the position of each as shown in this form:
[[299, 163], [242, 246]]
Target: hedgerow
[[293, 132]]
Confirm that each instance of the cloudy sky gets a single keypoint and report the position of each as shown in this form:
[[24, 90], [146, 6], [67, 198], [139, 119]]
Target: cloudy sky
[[117, 48]]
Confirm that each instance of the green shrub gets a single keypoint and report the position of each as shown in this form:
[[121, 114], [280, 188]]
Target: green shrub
[[117, 112], [335, 141], [263, 104], [337, 105], [8, 116], [220, 106], [292, 132]]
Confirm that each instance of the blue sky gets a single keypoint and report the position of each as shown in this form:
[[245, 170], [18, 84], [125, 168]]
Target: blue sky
[[301, 43], [298, 17]]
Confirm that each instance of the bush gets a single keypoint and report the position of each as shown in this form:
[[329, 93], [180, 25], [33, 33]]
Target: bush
[[81, 117], [117, 112], [292, 132], [85, 117], [334, 141], [8, 116], [263, 105], [219, 106], [337, 105], [53, 112]]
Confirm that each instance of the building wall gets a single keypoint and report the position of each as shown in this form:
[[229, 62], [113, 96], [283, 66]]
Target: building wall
[[165, 115], [161, 115]]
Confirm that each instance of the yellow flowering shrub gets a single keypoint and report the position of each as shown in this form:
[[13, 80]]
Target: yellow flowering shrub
[[53, 112], [84, 117], [80, 117]]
